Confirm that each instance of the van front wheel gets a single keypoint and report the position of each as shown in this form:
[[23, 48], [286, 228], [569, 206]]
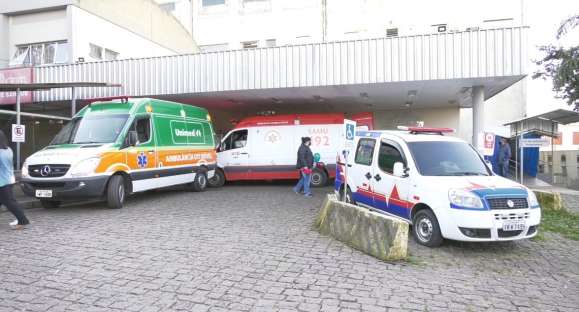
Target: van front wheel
[[200, 182], [218, 179], [116, 192], [425, 229]]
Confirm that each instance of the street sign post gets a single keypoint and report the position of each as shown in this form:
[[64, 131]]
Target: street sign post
[[349, 134]]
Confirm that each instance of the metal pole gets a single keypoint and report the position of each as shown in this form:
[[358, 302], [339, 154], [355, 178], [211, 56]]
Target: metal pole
[[73, 102], [522, 156], [553, 153], [18, 123]]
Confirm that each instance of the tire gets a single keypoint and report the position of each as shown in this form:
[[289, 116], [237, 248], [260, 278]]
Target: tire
[[218, 179], [425, 229], [116, 192], [319, 178], [49, 204], [200, 182], [347, 196]]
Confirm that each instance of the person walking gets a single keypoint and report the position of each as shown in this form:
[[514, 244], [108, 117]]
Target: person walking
[[7, 180], [305, 164], [504, 158]]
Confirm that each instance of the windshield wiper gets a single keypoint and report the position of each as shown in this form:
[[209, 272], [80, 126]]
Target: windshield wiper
[[86, 142], [468, 173]]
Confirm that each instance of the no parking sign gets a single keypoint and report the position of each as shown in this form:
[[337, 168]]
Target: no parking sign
[[18, 133]]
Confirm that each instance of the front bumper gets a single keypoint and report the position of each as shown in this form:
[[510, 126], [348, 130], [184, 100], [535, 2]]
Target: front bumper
[[458, 223], [66, 188]]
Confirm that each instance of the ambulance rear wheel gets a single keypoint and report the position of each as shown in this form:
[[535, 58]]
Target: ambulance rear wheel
[[49, 204], [425, 229], [319, 178], [116, 192], [200, 182], [218, 179]]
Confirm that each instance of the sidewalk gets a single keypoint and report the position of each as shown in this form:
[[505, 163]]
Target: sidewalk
[[570, 197]]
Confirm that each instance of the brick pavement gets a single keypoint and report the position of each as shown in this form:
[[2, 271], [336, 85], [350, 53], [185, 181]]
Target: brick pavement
[[252, 248]]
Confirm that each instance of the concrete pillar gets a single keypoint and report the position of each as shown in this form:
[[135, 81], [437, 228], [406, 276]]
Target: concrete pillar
[[478, 113]]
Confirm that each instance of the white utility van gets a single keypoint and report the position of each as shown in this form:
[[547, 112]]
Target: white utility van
[[265, 147], [439, 184]]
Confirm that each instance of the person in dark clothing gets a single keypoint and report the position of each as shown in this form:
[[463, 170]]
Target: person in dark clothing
[[504, 158], [305, 164], [7, 180]]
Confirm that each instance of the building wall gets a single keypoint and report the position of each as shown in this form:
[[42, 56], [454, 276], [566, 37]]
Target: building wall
[[432, 117], [37, 27], [4, 52], [298, 21], [147, 19], [91, 29]]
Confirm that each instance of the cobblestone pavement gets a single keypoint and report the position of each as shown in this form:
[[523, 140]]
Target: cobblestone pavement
[[252, 248]]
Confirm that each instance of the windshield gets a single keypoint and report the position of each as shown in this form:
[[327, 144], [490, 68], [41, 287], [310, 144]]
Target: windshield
[[447, 159], [91, 129]]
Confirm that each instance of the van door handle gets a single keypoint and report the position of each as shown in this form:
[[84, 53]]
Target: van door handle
[[368, 176], [377, 177], [150, 152], [244, 153]]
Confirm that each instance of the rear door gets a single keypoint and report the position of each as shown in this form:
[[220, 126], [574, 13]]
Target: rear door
[[234, 154], [359, 172]]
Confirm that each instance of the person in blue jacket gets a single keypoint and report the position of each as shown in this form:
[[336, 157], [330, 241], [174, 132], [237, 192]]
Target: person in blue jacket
[[504, 158], [7, 180]]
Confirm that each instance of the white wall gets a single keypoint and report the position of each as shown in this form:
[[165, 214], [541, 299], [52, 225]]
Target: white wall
[[286, 20], [438, 117], [89, 28], [37, 27]]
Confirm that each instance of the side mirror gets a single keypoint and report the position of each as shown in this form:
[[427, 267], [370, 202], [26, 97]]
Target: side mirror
[[132, 138], [399, 170]]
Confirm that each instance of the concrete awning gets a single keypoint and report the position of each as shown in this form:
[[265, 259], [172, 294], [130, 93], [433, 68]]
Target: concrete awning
[[11, 87]]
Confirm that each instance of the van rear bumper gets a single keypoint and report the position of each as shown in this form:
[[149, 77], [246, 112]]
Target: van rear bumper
[[78, 188]]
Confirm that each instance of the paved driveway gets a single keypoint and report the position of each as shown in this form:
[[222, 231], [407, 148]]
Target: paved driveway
[[250, 247]]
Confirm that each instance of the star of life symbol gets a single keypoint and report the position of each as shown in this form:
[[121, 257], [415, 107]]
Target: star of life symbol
[[272, 137], [142, 160]]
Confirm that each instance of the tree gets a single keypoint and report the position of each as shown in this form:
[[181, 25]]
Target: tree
[[562, 66]]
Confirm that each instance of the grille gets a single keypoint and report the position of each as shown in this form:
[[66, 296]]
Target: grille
[[511, 216], [501, 203], [505, 234], [47, 171]]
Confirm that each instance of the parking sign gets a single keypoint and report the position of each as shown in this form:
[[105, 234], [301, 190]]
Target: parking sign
[[18, 133], [349, 133]]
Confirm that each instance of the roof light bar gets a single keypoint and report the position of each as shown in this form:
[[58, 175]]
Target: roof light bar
[[417, 130]]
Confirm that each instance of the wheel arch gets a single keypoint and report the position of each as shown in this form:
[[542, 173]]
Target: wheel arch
[[418, 207], [126, 178]]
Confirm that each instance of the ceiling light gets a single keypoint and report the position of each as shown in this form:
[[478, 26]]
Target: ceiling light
[[318, 98], [364, 95], [412, 93], [276, 100]]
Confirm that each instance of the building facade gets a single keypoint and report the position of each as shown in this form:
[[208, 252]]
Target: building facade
[[36, 33]]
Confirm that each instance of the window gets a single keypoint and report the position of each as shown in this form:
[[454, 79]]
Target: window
[[441, 158], [212, 2], [563, 158], [91, 129], [550, 159], [111, 55], [95, 52], [237, 139], [388, 156], [249, 44], [559, 139], [577, 158], [575, 138], [168, 7], [143, 128], [214, 47], [392, 32], [365, 152], [40, 53], [270, 43]]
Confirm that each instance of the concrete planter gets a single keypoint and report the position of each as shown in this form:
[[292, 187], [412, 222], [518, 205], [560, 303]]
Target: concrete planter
[[550, 200], [373, 233]]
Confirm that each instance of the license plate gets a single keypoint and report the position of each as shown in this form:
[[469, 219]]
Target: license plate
[[44, 193], [513, 225]]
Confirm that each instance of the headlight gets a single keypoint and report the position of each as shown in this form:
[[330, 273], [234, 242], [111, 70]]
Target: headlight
[[24, 171], [532, 199], [464, 199], [85, 167]]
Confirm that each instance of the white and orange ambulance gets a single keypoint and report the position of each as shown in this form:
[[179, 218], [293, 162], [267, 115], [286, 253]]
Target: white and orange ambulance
[[116, 147], [265, 147]]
